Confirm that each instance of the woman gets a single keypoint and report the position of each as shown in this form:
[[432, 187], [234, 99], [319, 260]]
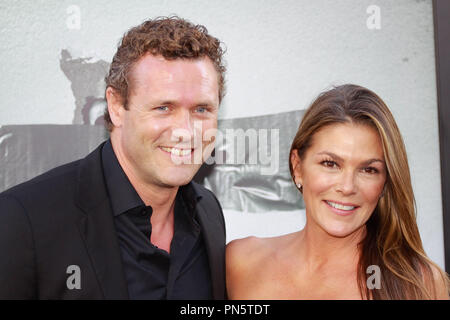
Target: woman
[[360, 240]]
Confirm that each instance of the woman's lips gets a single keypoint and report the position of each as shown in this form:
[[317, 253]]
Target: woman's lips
[[342, 209]]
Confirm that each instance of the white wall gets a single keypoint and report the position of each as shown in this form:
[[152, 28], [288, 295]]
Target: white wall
[[281, 54]]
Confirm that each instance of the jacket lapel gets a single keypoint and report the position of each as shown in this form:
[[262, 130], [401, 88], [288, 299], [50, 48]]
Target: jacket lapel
[[215, 246], [97, 227]]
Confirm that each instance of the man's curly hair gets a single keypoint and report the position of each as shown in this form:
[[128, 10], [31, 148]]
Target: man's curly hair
[[171, 37]]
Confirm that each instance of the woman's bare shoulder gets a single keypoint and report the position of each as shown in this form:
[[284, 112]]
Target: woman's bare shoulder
[[255, 248], [441, 283], [249, 248], [250, 263]]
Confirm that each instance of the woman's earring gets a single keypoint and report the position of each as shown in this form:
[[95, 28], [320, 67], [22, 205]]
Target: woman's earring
[[300, 187]]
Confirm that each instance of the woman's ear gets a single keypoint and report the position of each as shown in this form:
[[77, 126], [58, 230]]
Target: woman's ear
[[115, 106], [296, 167]]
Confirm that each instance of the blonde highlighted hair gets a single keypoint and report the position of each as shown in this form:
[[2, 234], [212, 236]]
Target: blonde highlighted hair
[[392, 240]]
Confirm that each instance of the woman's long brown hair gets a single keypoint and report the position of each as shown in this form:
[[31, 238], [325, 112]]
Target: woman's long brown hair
[[392, 240]]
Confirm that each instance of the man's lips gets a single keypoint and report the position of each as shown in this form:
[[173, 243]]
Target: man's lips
[[180, 152]]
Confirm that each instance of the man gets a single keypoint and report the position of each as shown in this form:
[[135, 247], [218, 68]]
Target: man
[[126, 221]]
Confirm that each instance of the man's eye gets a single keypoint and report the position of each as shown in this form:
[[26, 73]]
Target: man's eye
[[162, 108], [201, 109]]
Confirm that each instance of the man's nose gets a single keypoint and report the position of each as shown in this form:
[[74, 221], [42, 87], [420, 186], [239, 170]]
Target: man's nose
[[183, 126]]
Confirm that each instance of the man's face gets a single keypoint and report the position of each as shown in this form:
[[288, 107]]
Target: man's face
[[172, 103]]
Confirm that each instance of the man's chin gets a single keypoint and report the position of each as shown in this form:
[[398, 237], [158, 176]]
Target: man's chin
[[171, 176], [178, 181]]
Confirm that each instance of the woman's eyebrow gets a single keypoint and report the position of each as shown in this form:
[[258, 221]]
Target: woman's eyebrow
[[338, 158], [366, 163], [332, 155]]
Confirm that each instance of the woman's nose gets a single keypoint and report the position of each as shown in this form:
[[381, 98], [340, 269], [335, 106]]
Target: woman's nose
[[346, 184]]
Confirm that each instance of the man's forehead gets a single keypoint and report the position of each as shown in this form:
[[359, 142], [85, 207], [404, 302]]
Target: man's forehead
[[158, 72], [150, 62], [156, 67]]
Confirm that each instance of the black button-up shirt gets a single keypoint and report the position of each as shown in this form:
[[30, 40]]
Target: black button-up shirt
[[153, 273]]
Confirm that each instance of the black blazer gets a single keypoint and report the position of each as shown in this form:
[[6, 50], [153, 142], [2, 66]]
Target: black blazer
[[64, 218]]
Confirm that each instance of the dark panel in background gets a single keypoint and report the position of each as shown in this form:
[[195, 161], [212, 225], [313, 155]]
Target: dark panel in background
[[441, 11], [250, 171]]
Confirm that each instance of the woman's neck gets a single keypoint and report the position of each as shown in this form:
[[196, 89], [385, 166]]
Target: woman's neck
[[321, 250]]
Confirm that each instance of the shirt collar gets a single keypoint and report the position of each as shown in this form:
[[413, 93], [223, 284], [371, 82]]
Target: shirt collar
[[190, 198], [122, 194]]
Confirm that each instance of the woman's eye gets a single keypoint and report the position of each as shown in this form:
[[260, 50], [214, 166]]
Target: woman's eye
[[370, 170], [329, 164], [162, 108]]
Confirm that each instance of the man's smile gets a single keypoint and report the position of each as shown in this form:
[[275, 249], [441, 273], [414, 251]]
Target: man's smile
[[177, 151]]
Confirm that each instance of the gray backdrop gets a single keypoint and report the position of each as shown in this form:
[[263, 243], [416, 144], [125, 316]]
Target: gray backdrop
[[281, 54]]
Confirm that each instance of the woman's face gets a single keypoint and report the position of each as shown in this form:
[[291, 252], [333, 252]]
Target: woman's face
[[343, 175]]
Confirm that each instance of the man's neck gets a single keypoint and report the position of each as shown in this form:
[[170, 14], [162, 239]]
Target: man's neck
[[162, 201], [160, 198]]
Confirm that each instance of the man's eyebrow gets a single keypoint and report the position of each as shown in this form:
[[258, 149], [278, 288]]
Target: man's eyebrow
[[174, 103], [208, 104], [165, 102], [338, 158]]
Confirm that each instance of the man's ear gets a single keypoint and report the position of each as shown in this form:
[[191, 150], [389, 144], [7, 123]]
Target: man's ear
[[296, 166], [115, 106]]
